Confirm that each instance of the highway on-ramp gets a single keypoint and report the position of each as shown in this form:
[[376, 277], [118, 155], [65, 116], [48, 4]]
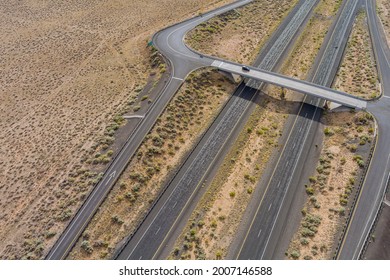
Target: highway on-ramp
[[150, 239], [182, 61], [371, 195], [182, 64]]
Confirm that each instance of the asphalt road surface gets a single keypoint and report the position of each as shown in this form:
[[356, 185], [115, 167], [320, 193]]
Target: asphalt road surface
[[151, 236], [374, 186], [182, 64], [182, 61], [290, 83], [271, 215]]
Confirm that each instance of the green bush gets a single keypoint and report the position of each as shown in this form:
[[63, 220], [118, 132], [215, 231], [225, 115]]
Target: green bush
[[304, 241], [328, 131], [295, 254], [310, 190], [312, 179], [305, 232]]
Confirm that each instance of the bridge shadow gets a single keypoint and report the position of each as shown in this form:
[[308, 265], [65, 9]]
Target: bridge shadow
[[263, 99]]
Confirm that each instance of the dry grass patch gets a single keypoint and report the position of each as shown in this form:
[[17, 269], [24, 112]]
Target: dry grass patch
[[68, 68], [238, 35], [357, 74], [214, 223], [348, 138], [176, 131]]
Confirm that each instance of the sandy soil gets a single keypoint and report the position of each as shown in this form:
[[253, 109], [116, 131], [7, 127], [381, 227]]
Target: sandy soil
[[383, 9], [239, 35], [357, 74], [67, 68], [343, 157], [177, 130], [220, 211]]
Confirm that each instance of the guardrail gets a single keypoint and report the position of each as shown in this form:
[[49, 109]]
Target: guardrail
[[106, 168], [357, 193], [126, 240]]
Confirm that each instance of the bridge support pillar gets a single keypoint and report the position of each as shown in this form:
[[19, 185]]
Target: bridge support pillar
[[233, 77]]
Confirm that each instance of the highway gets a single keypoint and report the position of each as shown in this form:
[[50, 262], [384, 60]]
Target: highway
[[152, 236], [182, 61], [373, 188], [271, 215], [179, 71], [290, 83]]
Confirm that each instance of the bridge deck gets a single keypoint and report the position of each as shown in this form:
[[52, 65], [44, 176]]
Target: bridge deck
[[297, 85]]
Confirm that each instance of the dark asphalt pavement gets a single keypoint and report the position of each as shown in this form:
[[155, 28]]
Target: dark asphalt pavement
[[182, 64], [183, 61], [271, 215], [374, 186], [147, 241]]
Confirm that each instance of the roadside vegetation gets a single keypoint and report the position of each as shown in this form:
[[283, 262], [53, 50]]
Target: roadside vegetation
[[238, 35], [383, 10], [68, 74], [88, 171], [348, 138], [357, 74], [179, 127], [215, 221]]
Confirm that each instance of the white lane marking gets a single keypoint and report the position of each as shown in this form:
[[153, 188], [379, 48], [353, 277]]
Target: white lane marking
[[357, 253], [170, 196], [140, 258], [215, 63], [112, 175], [294, 145], [269, 208], [157, 231], [300, 129], [384, 96], [133, 117], [259, 234], [289, 182], [278, 185], [176, 78], [174, 205], [305, 115]]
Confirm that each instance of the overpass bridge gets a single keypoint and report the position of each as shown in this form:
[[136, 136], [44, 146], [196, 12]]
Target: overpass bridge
[[290, 83]]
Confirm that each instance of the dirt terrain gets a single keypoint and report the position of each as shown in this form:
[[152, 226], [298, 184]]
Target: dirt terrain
[[214, 223], [348, 137], [239, 35], [177, 130], [358, 75], [68, 69]]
